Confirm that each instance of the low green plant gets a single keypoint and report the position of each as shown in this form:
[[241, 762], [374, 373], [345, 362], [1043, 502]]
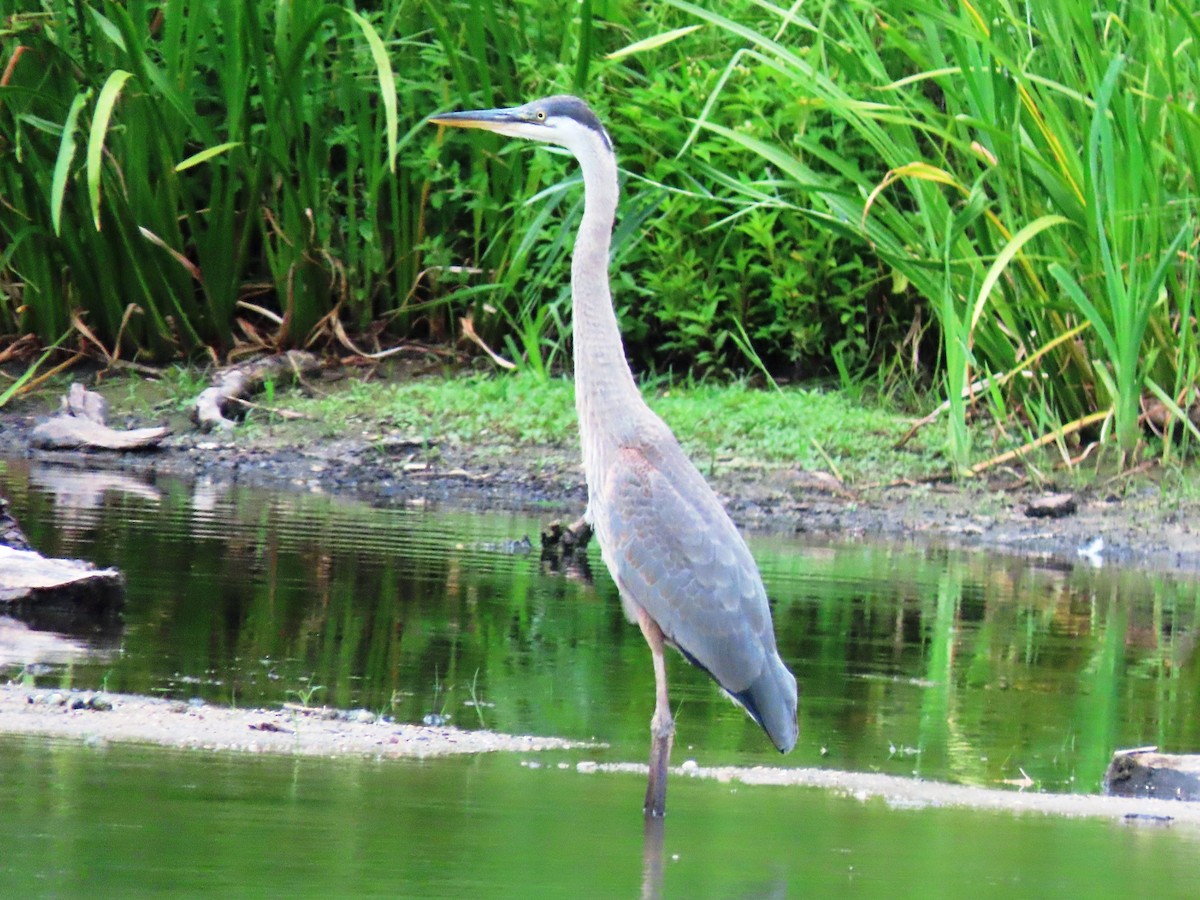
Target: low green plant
[[475, 701], [718, 423], [306, 694]]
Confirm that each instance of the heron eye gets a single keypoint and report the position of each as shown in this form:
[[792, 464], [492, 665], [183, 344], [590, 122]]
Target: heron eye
[[540, 116]]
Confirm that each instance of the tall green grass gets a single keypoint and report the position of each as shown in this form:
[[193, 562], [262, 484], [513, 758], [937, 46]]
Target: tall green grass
[[525, 203], [180, 176], [164, 161], [815, 188], [1027, 170], [250, 176]]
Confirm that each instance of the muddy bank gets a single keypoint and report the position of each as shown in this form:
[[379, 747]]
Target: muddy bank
[[1129, 521]]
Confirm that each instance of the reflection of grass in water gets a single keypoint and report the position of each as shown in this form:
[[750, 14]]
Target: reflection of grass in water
[[988, 665], [475, 702]]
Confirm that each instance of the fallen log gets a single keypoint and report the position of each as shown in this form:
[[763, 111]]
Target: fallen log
[[1144, 772], [240, 381], [70, 433]]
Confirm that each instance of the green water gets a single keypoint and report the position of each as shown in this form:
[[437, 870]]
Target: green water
[[950, 665], [134, 822]]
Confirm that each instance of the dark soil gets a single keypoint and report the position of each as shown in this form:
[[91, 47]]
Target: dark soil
[[1126, 521]]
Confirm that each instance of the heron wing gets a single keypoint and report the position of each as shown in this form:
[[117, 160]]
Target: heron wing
[[674, 551]]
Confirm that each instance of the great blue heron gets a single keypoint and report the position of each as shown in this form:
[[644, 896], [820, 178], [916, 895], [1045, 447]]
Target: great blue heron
[[683, 571]]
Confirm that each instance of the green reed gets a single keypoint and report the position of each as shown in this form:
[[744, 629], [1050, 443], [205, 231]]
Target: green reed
[[179, 175], [1024, 169]]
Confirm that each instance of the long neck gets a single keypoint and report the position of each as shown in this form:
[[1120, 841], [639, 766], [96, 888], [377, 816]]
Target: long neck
[[605, 393]]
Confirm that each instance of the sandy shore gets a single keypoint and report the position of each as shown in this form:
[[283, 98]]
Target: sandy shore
[[912, 793], [98, 718]]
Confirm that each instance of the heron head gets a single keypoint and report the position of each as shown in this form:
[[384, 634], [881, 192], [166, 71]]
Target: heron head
[[563, 120]]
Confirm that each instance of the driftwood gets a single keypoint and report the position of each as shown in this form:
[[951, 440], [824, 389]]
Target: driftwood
[[27, 575], [66, 433], [54, 594], [240, 381], [80, 425], [1144, 772]]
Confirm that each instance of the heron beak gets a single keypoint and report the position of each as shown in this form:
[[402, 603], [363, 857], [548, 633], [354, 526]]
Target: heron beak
[[501, 120]]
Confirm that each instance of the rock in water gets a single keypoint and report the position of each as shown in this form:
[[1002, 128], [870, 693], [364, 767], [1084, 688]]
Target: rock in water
[[1144, 772]]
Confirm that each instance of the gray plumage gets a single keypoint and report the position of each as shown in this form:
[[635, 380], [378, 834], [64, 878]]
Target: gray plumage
[[674, 552], [684, 573]]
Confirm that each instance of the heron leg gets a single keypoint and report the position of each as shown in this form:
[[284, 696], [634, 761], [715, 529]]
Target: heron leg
[[662, 725]]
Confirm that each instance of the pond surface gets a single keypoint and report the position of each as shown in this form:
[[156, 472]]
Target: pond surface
[[127, 821], [976, 669]]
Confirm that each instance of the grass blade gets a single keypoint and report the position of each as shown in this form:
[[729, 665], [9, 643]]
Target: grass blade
[[1011, 249], [66, 156], [95, 148], [653, 42], [205, 155], [387, 85]]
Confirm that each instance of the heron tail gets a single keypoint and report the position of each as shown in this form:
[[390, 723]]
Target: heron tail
[[771, 701]]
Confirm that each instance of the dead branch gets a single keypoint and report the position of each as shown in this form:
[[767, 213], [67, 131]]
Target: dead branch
[[238, 382]]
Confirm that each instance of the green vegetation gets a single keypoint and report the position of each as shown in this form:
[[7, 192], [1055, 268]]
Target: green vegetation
[[1027, 171], [996, 201]]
